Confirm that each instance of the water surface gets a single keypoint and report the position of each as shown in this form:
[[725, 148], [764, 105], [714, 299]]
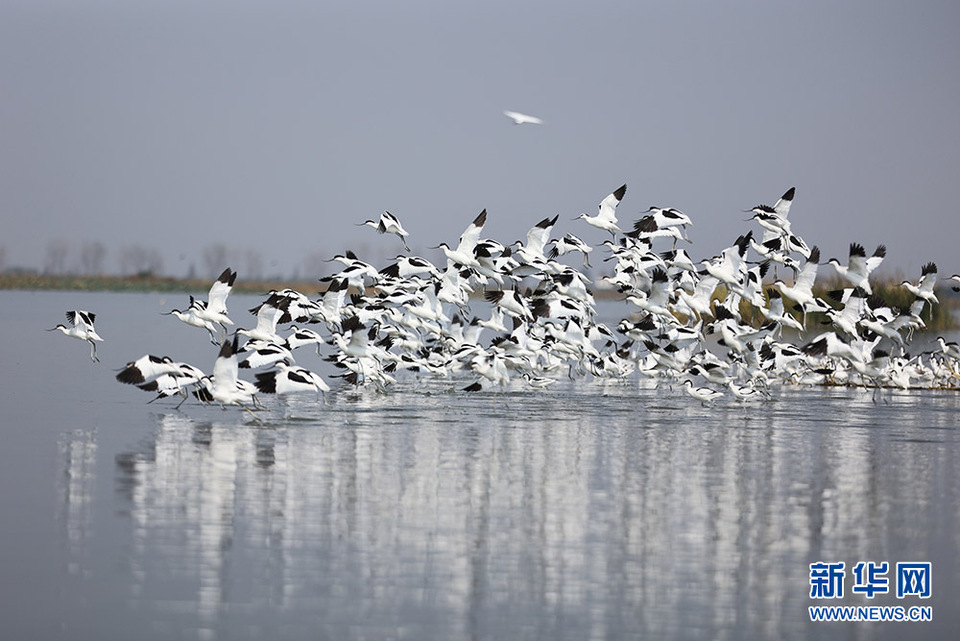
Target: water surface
[[585, 511]]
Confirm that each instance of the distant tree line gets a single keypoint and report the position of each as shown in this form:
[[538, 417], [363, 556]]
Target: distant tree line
[[93, 258], [90, 259]]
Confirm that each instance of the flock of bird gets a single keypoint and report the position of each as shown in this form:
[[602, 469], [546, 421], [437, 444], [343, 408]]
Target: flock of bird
[[719, 326]]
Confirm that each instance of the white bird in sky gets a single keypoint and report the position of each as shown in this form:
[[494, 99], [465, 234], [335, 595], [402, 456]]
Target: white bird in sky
[[859, 267], [215, 309], [924, 289], [522, 119], [463, 254], [190, 317], [388, 224], [781, 210], [82, 329], [606, 218]]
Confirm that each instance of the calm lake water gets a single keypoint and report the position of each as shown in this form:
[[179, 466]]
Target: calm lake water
[[584, 511]]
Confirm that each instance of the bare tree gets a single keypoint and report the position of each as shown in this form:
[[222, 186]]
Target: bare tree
[[215, 259], [252, 264], [55, 261], [91, 258], [139, 260], [314, 264]]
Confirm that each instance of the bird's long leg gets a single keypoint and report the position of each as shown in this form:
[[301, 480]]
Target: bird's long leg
[[948, 366], [93, 352], [250, 411], [404, 243]]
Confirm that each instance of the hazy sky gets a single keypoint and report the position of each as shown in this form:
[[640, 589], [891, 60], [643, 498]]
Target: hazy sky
[[275, 126]]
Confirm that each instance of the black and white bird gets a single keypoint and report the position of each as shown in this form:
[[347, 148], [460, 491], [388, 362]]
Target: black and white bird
[[184, 380], [289, 379], [463, 254], [190, 317], [537, 238], [224, 385], [956, 279], [858, 269], [606, 218], [781, 209], [571, 243], [81, 327], [703, 394], [801, 292], [670, 217], [389, 224], [924, 288], [214, 309], [147, 368], [950, 349]]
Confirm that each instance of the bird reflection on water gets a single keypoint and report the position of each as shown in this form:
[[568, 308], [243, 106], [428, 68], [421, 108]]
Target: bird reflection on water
[[570, 515]]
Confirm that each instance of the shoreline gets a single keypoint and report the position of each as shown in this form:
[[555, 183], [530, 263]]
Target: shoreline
[[943, 318]]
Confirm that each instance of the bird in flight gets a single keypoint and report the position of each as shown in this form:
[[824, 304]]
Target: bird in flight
[[81, 327], [522, 119]]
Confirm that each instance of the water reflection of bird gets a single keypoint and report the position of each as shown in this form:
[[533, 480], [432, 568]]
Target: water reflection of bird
[[81, 328]]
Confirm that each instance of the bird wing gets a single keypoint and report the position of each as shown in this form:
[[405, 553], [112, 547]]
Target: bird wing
[[267, 318], [782, 208], [539, 234], [874, 261], [928, 277], [608, 206], [217, 298], [807, 275], [857, 261], [389, 222], [471, 235], [225, 367]]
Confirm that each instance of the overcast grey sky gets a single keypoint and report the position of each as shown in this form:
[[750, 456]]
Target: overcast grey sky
[[276, 126]]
